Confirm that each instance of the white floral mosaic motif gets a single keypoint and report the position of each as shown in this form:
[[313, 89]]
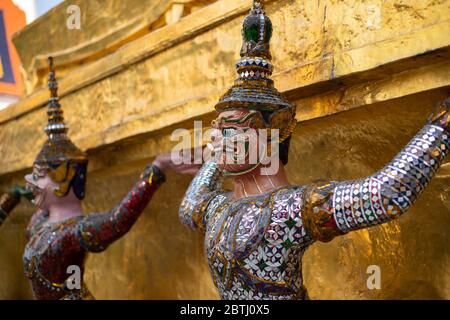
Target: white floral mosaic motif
[[275, 256]]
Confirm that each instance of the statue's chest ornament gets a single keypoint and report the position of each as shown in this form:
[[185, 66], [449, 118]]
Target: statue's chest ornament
[[47, 238], [238, 230], [37, 246]]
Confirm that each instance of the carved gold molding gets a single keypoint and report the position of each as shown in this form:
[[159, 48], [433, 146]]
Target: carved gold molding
[[142, 48]]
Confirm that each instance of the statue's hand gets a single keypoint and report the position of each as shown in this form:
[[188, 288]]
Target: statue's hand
[[441, 117], [19, 192], [181, 162]]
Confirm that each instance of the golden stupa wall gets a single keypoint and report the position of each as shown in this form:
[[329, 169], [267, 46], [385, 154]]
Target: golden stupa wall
[[364, 77]]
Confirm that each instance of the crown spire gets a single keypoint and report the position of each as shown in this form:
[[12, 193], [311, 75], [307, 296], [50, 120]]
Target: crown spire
[[58, 147], [256, 33], [56, 125], [254, 89]]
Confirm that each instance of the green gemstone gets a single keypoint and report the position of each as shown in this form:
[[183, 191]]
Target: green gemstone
[[290, 223], [268, 34], [287, 244], [262, 265], [251, 33]]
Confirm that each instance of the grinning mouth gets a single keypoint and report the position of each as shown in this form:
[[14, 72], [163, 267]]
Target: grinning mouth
[[30, 187], [36, 191]]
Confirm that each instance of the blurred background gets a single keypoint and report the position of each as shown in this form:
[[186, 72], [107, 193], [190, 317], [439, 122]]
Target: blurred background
[[14, 16], [35, 8]]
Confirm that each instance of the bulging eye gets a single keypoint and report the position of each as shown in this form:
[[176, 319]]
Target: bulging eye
[[228, 132], [35, 177]]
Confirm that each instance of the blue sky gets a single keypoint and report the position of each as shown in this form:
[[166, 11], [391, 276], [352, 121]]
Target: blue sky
[[42, 6]]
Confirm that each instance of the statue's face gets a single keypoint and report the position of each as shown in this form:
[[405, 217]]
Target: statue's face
[[42, 186], [237, 139]]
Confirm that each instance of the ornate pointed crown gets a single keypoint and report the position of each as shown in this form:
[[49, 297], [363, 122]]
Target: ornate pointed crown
[[58, 148], [253, 89]]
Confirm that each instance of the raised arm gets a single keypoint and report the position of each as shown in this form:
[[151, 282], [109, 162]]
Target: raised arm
[[338, 208], [204, 187], [10, 199], [97, 231], [7, 203]]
